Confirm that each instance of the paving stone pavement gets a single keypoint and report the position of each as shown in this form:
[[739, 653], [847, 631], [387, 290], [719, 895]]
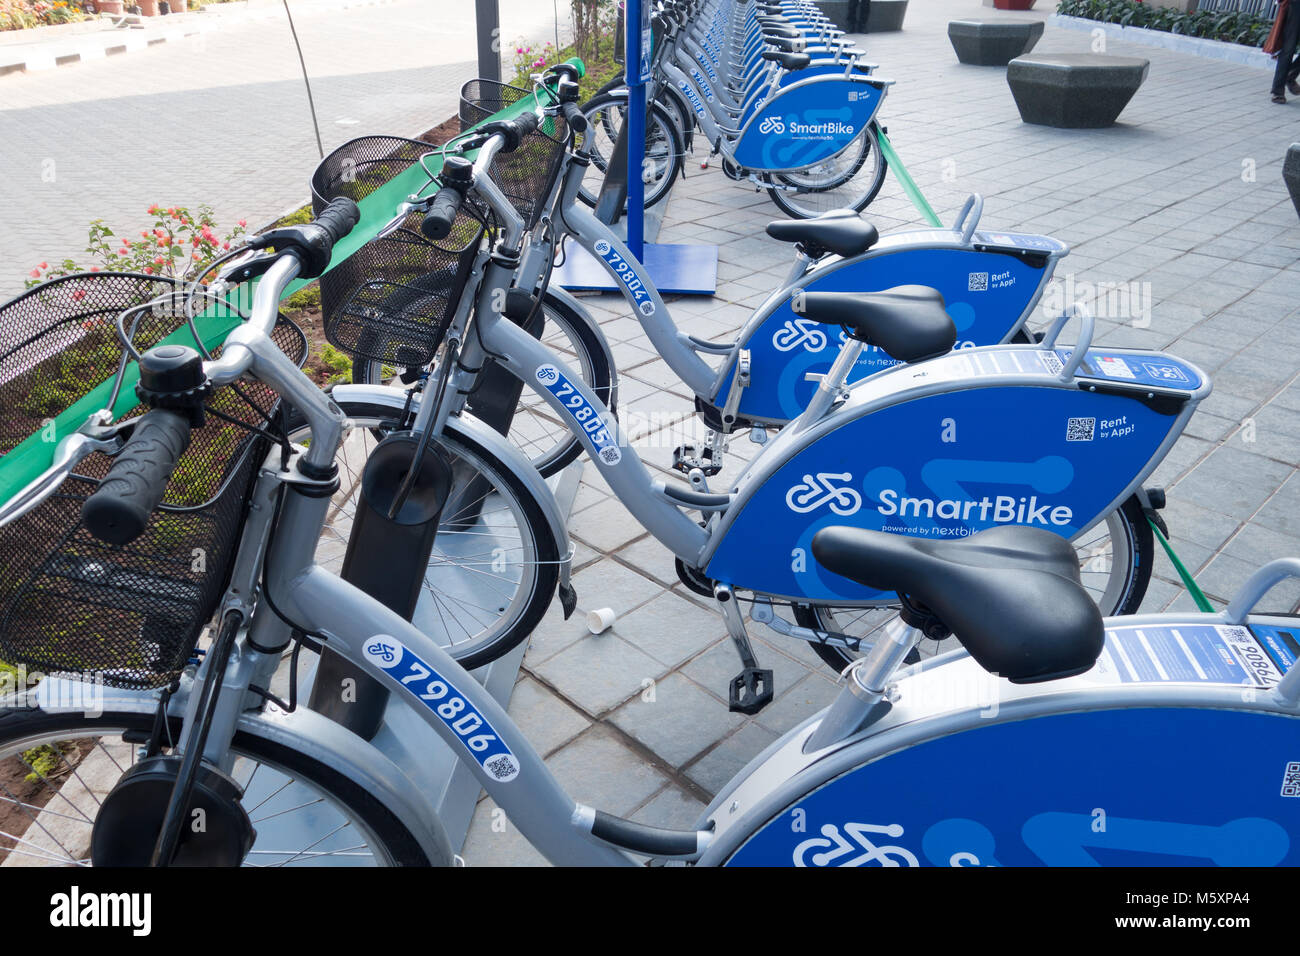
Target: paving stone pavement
[[1201, 220], [222, 118]]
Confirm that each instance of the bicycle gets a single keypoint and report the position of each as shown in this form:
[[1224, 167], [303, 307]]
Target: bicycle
[[763, 108], [1098, 479], [211, 736], [768, 374], [670, 116], [912, 325]]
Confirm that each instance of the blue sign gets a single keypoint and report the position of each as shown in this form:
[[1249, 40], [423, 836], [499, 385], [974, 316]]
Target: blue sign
[[1105, 788], [985, 294], [942, 466]]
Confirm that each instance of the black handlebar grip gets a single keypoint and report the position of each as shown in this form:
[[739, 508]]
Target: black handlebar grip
[[573, 115], [119, 510], [338, 218], [524, 124], [442, 213]]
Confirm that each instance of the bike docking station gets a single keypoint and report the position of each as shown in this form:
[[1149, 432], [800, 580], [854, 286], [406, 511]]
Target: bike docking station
[[677, 269]]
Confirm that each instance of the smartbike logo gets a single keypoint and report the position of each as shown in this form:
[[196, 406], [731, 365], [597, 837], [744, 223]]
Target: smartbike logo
[[796, 129], [835, 490]]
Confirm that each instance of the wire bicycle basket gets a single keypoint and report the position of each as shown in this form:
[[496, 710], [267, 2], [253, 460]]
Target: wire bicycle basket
[[392, 300], [527, 174], [70, 603]]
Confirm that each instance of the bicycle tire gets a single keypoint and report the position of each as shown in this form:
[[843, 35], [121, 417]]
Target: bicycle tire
[[599, 116], [21, 726], [781, 197], [1129, 519], [592, 359], [527, 607]]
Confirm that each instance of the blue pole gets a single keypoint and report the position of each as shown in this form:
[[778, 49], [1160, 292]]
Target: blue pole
[[636, 109]]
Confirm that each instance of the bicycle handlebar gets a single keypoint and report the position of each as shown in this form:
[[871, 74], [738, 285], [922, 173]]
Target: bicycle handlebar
[[313, 242], [573, 115], [442, 213], [119, 509]]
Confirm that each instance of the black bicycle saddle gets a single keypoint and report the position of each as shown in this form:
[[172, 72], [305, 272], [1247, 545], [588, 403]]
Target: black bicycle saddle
[[908, 321], [788, 61], [1010, 594], [841, 231]]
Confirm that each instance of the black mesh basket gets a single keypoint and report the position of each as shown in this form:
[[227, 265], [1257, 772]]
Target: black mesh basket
[[527, 174], [69, 602], [392, 300]]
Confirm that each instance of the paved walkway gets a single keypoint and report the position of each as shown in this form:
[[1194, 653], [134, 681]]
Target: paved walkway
[[222, 117], [1185, 195]]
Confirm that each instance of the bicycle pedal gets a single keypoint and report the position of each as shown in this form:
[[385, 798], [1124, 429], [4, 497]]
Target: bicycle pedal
[[750, 691], [686, 458]]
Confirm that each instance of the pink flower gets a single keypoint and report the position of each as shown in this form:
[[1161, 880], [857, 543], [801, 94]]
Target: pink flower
[[148, 270], [36, 273], [45, 265], [159, 261], [94, 268], [225, 245], [243, 222], [78, 295]]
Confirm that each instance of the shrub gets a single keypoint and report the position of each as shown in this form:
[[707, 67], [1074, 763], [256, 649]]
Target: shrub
[[1231, 27], [180, 243]]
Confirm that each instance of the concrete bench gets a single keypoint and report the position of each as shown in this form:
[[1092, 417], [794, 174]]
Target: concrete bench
[[1291, 174], [1074, 90], [993, 42], [886, 16]]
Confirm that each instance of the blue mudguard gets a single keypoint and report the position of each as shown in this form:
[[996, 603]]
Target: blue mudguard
[[808, 122], [1109, 788], [989, 288], [945, 448]]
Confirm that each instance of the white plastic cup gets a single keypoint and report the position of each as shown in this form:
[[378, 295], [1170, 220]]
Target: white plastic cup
[[601, 620]]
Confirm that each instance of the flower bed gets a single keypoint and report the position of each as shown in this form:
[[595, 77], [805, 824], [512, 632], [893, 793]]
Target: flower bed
[[25, 14], [1243, 28]]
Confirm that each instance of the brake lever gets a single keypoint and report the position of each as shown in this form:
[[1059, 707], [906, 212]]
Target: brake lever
[[97, 434], [251, 265]]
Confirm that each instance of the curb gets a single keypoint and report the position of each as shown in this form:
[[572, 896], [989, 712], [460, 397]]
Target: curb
[[1209, 49], [81, 47]]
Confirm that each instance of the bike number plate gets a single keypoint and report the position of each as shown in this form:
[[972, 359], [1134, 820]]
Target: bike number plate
[[583, 413], [448, 704]]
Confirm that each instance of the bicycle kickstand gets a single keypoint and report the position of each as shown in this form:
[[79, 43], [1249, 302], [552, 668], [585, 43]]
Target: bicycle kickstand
[[751, 689]]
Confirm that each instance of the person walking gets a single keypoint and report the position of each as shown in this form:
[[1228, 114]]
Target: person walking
[[859, 10], [1282, 41]]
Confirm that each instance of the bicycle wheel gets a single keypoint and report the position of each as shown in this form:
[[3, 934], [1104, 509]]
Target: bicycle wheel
[[56, 769], [848, 180], [663, 149], [494, 566], [1114, 563], [548, 442]]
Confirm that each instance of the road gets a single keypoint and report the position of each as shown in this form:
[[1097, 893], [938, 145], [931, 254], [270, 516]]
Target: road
[[223, 117]]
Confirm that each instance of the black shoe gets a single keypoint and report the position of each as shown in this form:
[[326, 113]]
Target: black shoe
[[1279, 98], [1294, 87]]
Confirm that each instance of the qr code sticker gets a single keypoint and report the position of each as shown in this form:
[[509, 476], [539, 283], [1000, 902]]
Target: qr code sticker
[[503, 767], [1080, 429], [977, 282], [1291, 780], [610, 455], [1052, 363]]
